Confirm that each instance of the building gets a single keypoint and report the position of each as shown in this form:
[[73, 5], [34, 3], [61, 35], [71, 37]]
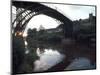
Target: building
[[89, 21], [81, 23], [54, 30]]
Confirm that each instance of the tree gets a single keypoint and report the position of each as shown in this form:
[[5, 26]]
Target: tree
[[32, 37], [41, 28], [32, 32]]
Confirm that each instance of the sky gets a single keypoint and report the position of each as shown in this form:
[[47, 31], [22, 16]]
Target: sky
[[73, 12]]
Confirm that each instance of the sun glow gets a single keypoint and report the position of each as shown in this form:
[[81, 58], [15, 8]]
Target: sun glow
[[18, 33]]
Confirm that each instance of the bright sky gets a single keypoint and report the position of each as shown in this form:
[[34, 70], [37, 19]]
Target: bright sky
[[73, 12], [46, 21]]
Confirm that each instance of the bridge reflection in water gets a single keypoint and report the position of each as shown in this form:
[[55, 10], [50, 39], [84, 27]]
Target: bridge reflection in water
[[53, 58]]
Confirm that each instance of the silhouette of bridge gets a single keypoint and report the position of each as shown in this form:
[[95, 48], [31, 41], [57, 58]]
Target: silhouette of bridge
[[27, 10]]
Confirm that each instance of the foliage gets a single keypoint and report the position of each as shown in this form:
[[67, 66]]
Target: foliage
[[41, 36]]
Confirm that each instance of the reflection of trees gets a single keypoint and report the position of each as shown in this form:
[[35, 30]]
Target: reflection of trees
[[41, 48], [22, 63], [18, 52], [28, 65]]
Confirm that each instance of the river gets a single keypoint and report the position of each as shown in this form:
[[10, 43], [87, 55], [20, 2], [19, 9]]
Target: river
[[54, 57]]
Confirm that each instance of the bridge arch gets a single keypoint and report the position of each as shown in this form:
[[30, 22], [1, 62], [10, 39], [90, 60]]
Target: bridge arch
[[32, 9]]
